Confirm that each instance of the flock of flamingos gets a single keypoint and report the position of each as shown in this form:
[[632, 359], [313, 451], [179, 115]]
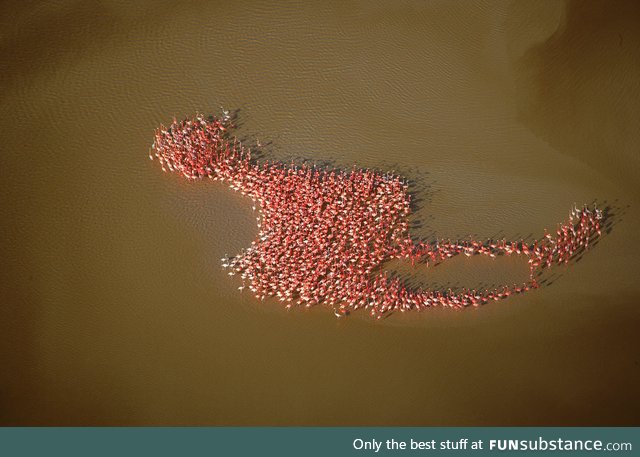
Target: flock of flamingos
[[324, 234]]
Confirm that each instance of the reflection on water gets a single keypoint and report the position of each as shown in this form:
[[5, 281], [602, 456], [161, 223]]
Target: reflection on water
[[574, 86], [114, 307]]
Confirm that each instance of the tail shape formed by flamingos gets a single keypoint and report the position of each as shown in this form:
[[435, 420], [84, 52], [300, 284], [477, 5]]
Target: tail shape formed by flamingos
[[324, 234]]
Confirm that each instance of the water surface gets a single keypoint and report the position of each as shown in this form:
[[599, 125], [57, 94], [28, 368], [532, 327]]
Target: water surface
[[114, 308]]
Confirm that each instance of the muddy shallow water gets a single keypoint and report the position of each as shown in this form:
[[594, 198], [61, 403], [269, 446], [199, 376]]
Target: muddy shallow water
[[114, 308]]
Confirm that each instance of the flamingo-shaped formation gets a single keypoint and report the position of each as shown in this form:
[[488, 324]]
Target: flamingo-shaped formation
[[324, 234]]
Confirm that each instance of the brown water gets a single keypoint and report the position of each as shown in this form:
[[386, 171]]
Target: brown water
[[114, 308]]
